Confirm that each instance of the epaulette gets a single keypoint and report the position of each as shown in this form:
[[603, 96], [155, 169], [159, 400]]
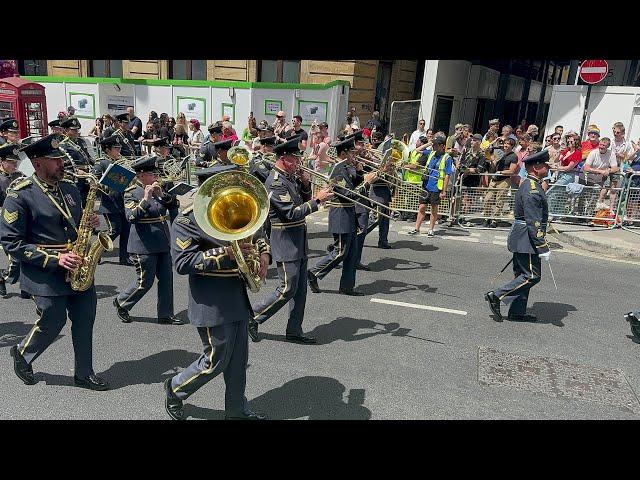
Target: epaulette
[[187, 210], [22, 184]]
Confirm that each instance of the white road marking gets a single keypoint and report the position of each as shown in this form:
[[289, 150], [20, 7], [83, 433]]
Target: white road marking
[[418, 306], [500, 242], [460, 239], [475, 234], [500, 237]]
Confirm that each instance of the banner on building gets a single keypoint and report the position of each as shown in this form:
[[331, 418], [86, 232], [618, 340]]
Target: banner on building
[[117, 104]]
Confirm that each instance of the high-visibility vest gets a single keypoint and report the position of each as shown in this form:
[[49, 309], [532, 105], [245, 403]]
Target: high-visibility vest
[[441, 166], [410, 175]]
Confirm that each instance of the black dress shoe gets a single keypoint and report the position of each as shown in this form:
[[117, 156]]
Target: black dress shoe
[[301, 339], [351, 293], [494, 303], [362, 267], [122, 313], [21, 367], [522, 318], [172, 404], [253, 330], [172, 320], [313, 282], [25, 295], [246, 415], [385, 246], [3, 287], [91, 382]]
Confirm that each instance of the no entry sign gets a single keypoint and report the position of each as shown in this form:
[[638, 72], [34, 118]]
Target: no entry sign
[[593, 71]]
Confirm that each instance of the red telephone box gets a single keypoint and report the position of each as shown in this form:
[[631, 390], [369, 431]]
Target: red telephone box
[[26, 102]]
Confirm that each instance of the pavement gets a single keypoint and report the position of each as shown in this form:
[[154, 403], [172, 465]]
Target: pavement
[[420, 344], [617, 242]]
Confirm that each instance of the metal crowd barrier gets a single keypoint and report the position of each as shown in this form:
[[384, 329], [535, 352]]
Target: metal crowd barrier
[[629, 204]]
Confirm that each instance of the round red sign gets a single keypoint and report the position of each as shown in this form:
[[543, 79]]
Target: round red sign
[[593, 71]]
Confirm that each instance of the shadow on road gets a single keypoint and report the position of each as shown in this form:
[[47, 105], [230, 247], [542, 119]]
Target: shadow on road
[[181, 315], [390, 263], [347, 328], [12, 332], [318, 398], [391, 286], [551, 312], [106, 291], [145, 371], [416, 246]]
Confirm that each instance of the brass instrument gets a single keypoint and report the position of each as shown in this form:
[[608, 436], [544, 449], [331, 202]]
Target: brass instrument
[[240, 156], [82, 278], [232, 206]]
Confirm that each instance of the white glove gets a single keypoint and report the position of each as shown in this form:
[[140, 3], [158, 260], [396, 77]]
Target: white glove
[[545, 256]]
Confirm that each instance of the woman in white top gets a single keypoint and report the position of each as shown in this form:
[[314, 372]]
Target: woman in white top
[[196, 137]]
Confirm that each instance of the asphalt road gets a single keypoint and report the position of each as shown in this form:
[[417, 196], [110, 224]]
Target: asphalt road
[[373, 360]]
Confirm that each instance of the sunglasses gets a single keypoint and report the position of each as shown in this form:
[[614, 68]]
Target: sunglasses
[[555, 138], [279, 116]]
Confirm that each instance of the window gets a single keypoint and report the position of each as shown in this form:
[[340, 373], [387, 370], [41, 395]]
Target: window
[[278, 71], [32, 67], [105, 68], [188, 69]]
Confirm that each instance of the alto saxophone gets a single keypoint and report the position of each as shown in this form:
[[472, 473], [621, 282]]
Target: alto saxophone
[[82, 277]]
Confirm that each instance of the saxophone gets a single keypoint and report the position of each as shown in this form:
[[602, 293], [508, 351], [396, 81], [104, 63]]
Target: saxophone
[[82, 278]]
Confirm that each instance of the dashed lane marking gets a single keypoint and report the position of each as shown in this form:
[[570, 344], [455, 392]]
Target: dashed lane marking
[[418, 306]]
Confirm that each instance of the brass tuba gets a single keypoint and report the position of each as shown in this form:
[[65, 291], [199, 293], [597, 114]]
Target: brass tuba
[[232, 206]]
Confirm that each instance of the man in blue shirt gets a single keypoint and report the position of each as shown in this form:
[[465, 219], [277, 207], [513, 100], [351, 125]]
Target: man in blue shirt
[[438, 167]]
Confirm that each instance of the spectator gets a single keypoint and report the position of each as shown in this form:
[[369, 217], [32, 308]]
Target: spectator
[[519, 132], [135, 124], [593, 141], [567, 161], [324, 129], [152, 116], [507, 132], [600, 163], [171, 126], [250, 132], [148, 136], [96, 130], [374, 122], [298, 130], [196, 137], [181, 119], [457, 135], [70, 111], [487, 143], [521, 149], [107, 125], [523, 125], [554, 149], [319, 160], [494, 126], [439, 167], [533, 131], [180, 141], [471, 164], [500, 183], [228, 133], [281, 126], [559, 130], [355, 119]]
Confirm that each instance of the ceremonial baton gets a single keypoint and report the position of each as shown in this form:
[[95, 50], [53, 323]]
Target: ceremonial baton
[[503, 269], [552, 277]]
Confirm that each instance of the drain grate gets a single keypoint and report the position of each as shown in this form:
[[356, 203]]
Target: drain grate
[[557, 378]]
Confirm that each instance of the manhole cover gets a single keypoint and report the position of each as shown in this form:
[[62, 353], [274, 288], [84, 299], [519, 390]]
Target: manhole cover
[[557, 378]]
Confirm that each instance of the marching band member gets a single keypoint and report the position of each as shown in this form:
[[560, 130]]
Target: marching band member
[[146, 206], [162, 149], [77, 153], [207, 150], [112, 205], [9, 173], [259, 168], [219, 308], [291, 201], [39, 220], [342, 224]]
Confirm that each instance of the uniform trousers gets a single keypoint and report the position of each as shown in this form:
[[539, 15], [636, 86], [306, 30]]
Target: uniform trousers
[[345, 250], [119, 226], [225, 349], [81, 308], [292, 290], [527, 269], [148, 267], [383, 226], [363, 222]]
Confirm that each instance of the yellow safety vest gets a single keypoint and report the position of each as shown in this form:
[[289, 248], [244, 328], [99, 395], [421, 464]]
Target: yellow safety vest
[[410, 175], [441, 166]]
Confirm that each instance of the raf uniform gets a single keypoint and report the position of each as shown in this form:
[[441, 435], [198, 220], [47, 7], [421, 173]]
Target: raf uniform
[[126, 139], [38, 224], [526, 241], [380, 191], [174, 209], [78, 157], [219, 308], [112, 205], [222, 145], [8, 125], [148, 247], [259, 168], [343, 226], [207, 150], [8, 152], [290, 203]]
